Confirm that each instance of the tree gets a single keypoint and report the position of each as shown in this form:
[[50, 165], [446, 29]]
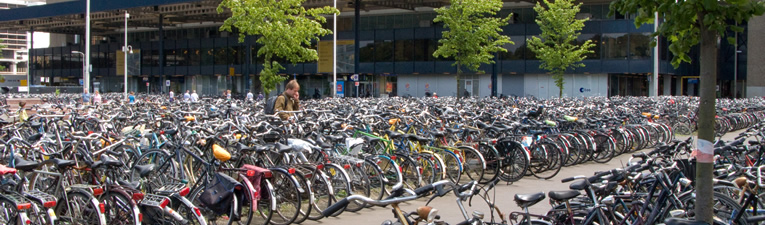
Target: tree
[[285, 30], [1, 51], [557, 47], [686, 24], [473, 34]]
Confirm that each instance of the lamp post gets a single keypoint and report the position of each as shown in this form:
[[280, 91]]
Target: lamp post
[[334, 52], [84, 70], [125, 49], [735, 66]]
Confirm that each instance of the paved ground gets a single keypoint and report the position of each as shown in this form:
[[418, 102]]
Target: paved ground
[[450, 212]]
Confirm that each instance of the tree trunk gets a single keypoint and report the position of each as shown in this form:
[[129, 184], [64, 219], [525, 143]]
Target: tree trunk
[[706, 123]]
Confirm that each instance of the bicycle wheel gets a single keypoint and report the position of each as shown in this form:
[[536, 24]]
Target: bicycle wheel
[[452, 166], [604, 148], [360, 185], [119, 209], [165, 171], [322, 194], [724, 208], [493, 163], [429, 170], [85, 210], [288, 197], [9, 214], [473, 163], [376, 179], [546, 160], [390, 171], [306, 196], [341, 185], [410, 172], [515, 162], [188, 214]]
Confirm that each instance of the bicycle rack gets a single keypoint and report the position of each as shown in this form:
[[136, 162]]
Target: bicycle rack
[[15, 197], [39, 196], [152, 200], [85, 187], [170, 189]]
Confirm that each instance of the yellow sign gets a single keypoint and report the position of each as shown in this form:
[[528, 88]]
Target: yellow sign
[[121, 61], [231, 71], [23, 83], [326, 54]]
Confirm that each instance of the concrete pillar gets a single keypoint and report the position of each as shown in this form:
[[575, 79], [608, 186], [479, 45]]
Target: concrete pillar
[[679, 86], [13, 68], [667, 85], [755, 71]]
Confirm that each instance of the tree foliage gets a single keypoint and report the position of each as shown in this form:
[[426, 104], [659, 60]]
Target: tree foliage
[[557, 47], [683, 19], [472, 34], [284, 29], [1, 51]]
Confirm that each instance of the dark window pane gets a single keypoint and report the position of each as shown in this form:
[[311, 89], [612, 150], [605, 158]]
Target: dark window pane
[[614, 46], [220, 56], [366, 51], [595, 38], [404, 50], [640, 46], [514, 52], [195, 57], [170, 59], [384, 51], [422, 50], [207, 56]]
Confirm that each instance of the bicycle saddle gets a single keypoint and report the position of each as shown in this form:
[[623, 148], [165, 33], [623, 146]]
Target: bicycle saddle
[[438, 134], [526, 200], [563, 195], [145, 170], [578, 185], [62, 163], [243, 147], [263, 148], [34, 138], [281, 148], [133, 185], [108, 161], [323, 145], [369, 139], [25, 165], [453, 130], [678, 221], [334, 138], [393, 134], [171, 131], [6, 170]]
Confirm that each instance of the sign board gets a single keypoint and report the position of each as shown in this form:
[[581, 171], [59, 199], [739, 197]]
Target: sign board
[[147, 84], [134, 63], [693, 81], [345, 51], [355, 77], [389, 87], [230, 72], [146, 79], [81, 82], [340, 89], [356, 83], [167, 83]]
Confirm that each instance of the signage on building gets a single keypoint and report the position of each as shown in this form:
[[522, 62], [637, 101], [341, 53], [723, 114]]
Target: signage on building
[[355, 77], [345, 51], [167, 83], [134, 63], [583, 90], [356, 83], [340, 90], [389, 87]]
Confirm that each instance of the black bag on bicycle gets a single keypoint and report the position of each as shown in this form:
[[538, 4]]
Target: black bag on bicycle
[[217, 196]]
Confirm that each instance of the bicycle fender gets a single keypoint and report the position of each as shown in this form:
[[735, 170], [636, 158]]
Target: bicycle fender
[[188, 203], [479, 154], [345, 175], [251, 189], [271, 195], [291, 178]]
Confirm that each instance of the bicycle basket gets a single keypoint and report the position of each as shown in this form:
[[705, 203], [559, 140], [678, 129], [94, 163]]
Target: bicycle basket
[[218, 196]]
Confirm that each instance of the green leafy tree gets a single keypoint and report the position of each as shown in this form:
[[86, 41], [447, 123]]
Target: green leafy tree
[[686, 24], [473, 35], [1, 51], [285, 30], [557, 49]]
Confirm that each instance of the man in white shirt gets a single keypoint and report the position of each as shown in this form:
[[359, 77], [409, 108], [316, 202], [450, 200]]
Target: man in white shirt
[[186, 96], [194, 96], [172, 95], [250, 96]]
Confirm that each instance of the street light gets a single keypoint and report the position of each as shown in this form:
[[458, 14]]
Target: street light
[[125, 49], [334, 52], [84, 70]]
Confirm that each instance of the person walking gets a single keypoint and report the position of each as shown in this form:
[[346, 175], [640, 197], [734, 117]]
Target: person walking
[[96, 98], [186, 96], [260, 96], [250, 96], [131, 98], [172, 95], [194, 96], [85, 97], [289, 100]]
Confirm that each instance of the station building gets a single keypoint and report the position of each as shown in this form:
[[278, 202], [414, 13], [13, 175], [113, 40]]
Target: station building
[[388, 43]]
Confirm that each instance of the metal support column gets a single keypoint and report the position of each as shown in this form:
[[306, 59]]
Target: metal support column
[[161, 54]]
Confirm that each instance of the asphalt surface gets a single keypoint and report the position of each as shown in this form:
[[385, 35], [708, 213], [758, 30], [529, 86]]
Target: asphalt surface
[[450, 211]]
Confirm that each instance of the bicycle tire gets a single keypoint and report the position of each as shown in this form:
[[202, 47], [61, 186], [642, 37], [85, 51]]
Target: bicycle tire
[[10, 214], [473, 163], [341, 185], [604, 148], [514, 164], [87, 215], [166, 169], [119, 209], [321, 188], [360, 184], [452, 166], [549, 160]]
